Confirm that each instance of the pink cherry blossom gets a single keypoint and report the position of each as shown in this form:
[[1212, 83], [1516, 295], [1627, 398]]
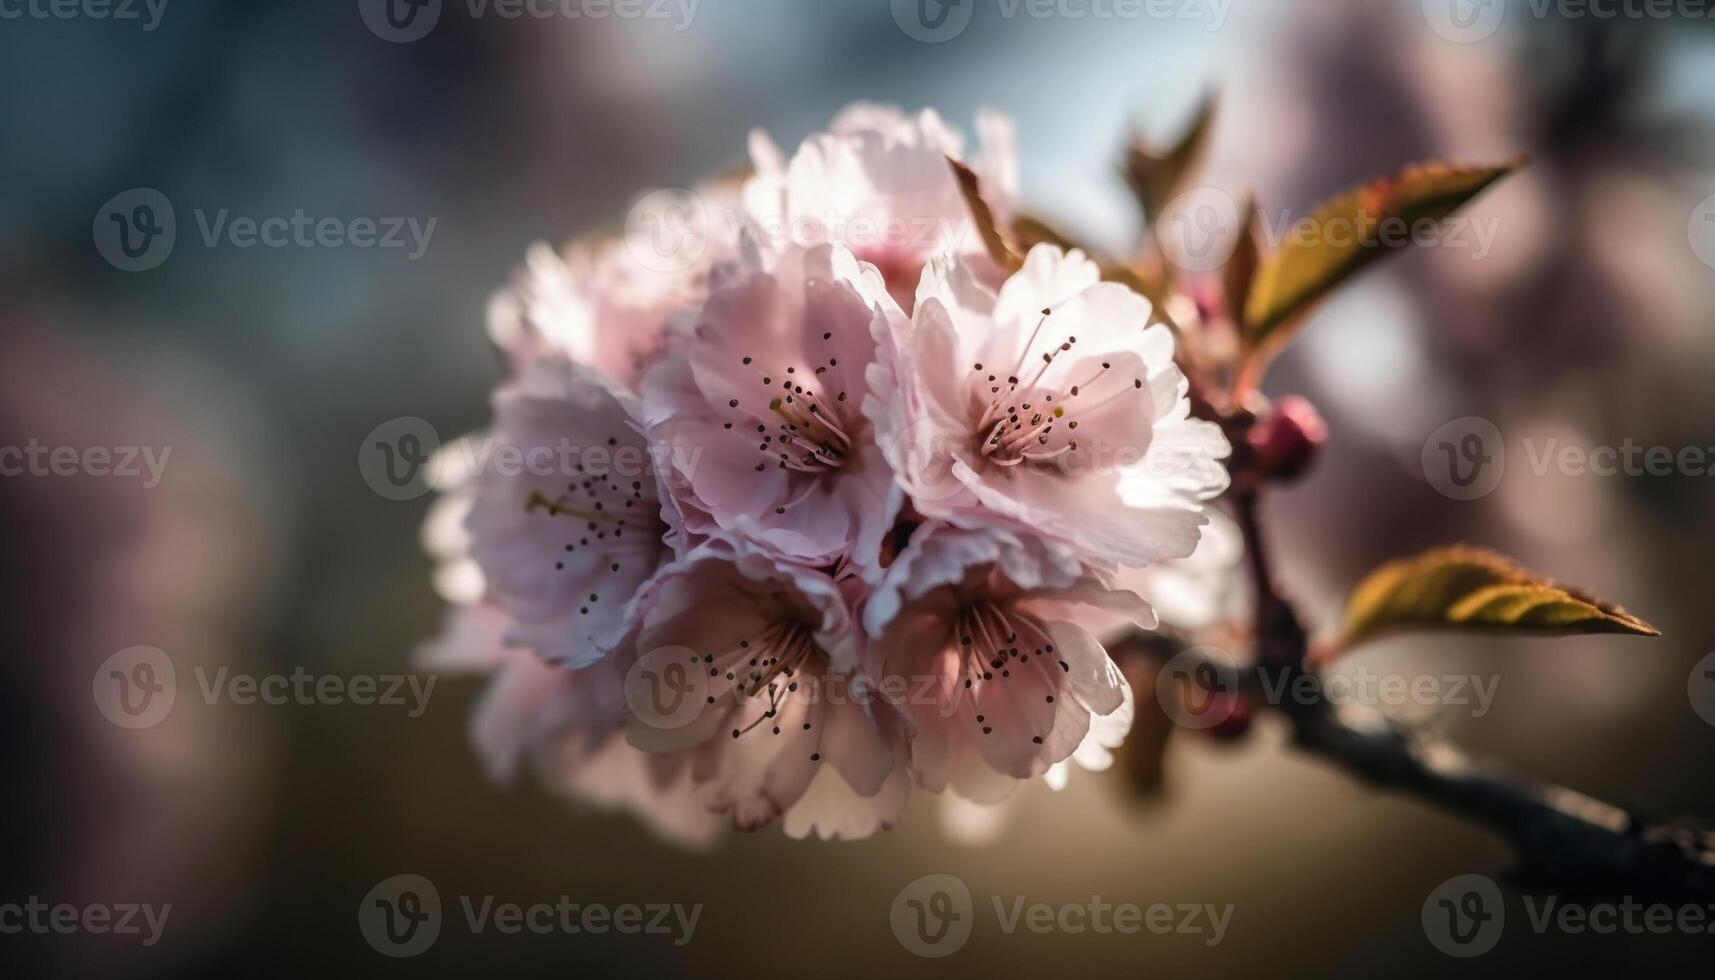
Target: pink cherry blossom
[[777, 723], [878, 182], [566, 523], [591, 303], [762, 415], [567, 726], [974, 824], [979, 628], [1051, 405], [617, 304], [824, 510]]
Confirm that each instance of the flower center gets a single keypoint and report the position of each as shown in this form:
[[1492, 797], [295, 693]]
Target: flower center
[[799, 416], [1035, 419], [1013, 652], [769, 666], [601, 501]]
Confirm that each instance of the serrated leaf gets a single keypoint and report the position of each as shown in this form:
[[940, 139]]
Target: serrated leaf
[[1154, 177], [1470, 588], [1300, 272], [998, 247]]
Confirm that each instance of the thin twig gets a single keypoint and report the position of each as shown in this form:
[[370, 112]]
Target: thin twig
[[1564, 840]]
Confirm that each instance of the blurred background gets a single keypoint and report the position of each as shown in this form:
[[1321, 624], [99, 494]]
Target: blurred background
[[261, 548]]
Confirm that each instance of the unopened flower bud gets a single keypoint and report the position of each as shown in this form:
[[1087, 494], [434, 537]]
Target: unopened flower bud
[[1236, 717], [1286, 442]]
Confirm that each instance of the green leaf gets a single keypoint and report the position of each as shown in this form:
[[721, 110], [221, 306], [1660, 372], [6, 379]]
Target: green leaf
[[998, 247], [1155, 177], [1293, 278], [1468, 588]]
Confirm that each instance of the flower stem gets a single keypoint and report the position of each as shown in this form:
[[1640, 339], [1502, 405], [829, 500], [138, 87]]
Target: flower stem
[[1564, 840]]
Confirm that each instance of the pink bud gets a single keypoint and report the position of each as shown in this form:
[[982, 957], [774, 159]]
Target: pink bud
[[1236, 721], [1286, 441]]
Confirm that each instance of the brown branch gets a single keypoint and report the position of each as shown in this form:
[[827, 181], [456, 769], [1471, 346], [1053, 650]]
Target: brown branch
[[1564, 840]]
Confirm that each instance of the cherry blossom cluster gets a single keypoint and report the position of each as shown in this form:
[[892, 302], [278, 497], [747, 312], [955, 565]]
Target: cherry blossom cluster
[[847, 517]]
